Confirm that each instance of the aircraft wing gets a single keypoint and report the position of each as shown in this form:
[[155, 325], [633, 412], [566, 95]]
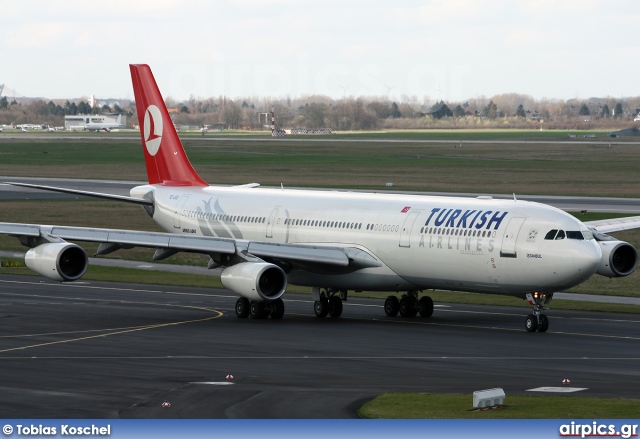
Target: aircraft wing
[[293, 255], [614, 225]]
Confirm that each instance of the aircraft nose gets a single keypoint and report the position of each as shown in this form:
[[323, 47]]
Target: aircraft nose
[[587, 258]]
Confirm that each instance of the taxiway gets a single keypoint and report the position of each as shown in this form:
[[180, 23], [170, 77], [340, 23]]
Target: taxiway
[[108, 350]]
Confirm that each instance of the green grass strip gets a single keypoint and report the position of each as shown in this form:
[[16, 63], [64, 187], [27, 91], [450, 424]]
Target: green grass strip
[[456, 406]]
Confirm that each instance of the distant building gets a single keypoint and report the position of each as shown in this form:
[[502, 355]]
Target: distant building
[[533, 115]]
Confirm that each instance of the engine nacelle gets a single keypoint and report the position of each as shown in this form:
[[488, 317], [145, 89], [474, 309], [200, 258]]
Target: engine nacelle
[[618, 259], [61, 261], [255, 280]]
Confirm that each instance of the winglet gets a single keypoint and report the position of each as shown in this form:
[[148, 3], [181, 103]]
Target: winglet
[[164, 155]]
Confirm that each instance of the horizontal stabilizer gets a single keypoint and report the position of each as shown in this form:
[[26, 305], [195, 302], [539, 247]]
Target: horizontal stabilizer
[[124, 198]]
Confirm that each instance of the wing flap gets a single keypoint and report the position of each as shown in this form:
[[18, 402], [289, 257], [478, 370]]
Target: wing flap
[[315, 255], [300, 253], [19, 229]]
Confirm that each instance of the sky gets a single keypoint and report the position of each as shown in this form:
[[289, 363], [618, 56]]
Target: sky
[[404, 50]]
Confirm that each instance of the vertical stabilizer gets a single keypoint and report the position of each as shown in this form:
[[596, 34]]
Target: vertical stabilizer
[[166, 161]]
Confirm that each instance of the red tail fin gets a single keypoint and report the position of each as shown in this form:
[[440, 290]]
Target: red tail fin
[[167, 163]]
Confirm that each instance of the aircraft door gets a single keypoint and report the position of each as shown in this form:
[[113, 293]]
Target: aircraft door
[[272, 218], [278, 225], [407, 227], [510, 237], [178, 210]]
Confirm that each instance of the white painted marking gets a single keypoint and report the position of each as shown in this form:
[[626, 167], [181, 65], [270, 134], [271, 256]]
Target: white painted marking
[[558, 389], [152, 119], [213, 383]]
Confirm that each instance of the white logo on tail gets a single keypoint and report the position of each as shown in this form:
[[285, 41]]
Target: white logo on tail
[[152, 129]]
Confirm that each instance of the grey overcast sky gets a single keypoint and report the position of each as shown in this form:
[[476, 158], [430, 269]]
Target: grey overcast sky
[[449, 49]]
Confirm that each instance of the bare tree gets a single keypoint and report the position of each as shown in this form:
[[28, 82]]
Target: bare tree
[[232, 115], [314, 115]]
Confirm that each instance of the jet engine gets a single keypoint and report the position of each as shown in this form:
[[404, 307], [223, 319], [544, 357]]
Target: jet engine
[[618, 259], [60, 261], [255, 280]]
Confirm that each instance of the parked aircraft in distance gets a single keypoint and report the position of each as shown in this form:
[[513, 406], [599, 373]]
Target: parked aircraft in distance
[[28, 126], [97, 123], [335, 242]]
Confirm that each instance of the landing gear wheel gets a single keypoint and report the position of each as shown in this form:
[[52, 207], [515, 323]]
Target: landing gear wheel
[[538, 321], [544, 323], [277, 309], [321, 308], [242, 307], [408, 307], [391, 306], [335, 306], [425, 306], [257, 310], [531, 323]]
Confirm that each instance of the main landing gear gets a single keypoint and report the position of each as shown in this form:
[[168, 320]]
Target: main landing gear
[[409, 305], [259, 309], [327, 303], [538, 321]]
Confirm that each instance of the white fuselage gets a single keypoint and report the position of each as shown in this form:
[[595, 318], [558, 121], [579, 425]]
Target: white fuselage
[[100, 126], [423, 242]]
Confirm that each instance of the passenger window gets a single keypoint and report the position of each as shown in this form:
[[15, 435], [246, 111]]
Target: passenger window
[[551, 234], [560, 235]]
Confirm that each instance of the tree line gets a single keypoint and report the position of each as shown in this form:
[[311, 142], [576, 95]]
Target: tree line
[[505, 110]]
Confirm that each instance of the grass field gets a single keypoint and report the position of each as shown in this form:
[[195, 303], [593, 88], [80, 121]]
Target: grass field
[[591, 169], [453, 406]]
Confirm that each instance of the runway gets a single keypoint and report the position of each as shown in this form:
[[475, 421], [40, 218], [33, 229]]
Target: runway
[[108, 350], [212, 138]]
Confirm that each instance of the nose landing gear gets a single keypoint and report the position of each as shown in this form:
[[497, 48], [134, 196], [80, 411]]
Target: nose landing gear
[[538, 321]]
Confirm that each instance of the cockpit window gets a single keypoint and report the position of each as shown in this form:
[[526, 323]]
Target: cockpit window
[[574, 235], [570, 234], [587, 235], [555, 234]]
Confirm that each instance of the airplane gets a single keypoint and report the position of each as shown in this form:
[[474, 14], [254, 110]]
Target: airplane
[[28, 126], [96, 123], [335, 242]]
